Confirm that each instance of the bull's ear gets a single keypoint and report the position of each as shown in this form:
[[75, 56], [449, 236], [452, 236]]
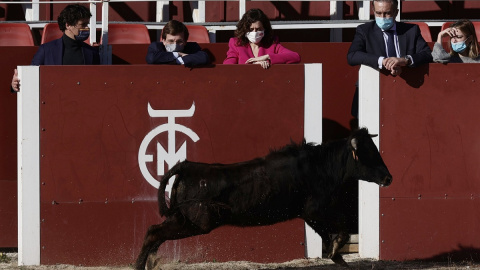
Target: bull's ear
[[354, 154], [354, 143], [373, 135]]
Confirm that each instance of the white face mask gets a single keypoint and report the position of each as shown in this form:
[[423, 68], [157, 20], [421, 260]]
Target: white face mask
[[174, 47], [255, 37]]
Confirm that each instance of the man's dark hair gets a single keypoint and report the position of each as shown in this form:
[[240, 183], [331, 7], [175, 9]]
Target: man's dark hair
[[394, 2], [243, 27], [71, 14], [175, 27]]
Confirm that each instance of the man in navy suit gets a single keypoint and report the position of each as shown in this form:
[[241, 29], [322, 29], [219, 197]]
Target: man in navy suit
[[370, 46], [387, 44], [70, 49], [174, 48]]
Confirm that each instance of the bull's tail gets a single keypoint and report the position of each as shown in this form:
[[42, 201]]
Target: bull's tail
[[162, 199]]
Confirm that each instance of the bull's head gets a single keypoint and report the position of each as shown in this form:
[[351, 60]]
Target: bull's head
[[368, 164]]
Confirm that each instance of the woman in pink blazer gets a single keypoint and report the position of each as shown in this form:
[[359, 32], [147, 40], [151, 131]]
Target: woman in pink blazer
[[254, 43]]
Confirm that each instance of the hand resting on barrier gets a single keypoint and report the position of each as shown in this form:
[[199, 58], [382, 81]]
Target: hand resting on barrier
[[15, 81]]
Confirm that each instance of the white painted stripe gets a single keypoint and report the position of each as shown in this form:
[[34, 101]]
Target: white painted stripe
[[313, 133], [28, 137], [369, 193]]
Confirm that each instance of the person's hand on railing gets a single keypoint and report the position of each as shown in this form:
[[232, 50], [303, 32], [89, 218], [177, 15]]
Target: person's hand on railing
[[263, 60], [265, 57], [15, 82], [264, 64]]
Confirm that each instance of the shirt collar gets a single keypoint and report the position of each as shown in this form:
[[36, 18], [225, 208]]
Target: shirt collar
[[393, 28]]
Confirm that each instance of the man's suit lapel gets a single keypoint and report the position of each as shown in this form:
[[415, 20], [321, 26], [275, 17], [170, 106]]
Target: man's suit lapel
[[402, 39], [379, 40]]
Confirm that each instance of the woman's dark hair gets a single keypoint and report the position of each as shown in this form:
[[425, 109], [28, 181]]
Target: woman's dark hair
[[71, 14], [243, 27], [174, 27]]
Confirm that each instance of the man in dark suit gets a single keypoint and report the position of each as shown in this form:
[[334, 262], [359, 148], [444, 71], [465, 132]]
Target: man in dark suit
[[174, 48], [387, 44], [70, 49], [370, 46]]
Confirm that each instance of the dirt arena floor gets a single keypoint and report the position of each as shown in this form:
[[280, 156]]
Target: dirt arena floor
[[9, 261]]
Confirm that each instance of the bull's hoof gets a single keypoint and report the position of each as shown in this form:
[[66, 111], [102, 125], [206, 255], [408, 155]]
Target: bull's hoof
[[138, 267], [338, 259], [152, 261]]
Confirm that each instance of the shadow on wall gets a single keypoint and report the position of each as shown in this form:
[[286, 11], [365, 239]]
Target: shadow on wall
[[462, 258], [332, 130], [415, 77], [462, 254]]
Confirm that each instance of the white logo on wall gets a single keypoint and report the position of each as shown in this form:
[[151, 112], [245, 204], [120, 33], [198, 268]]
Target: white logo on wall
[[171, 157]]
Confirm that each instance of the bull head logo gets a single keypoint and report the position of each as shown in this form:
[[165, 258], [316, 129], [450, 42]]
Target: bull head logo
[[170, 156]]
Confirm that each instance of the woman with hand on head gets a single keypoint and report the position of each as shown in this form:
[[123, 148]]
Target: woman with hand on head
[[254, 43], [463, 44]]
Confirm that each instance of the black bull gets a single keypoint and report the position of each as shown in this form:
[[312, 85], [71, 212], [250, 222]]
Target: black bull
[[299, 181]]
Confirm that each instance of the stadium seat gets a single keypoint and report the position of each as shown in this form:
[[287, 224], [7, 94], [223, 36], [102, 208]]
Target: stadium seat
[[15, 34], [51, 31], [196, 33], [127, 34], [427, 36]]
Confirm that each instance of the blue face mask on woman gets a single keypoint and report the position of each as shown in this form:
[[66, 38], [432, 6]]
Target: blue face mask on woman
[[384, 23], [459, 46]]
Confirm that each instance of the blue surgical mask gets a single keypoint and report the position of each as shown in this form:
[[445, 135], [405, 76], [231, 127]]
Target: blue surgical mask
[[459, 46], [384, 23], [83, 34]]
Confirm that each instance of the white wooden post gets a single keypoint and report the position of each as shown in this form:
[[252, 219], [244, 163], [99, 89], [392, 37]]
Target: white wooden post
[[364, 10], [93, 23], [242, 8], [336, 13], [28, 162], [105, 49], [369, 193], [198, 8], [313, 133], [163, 13], [32, 11], [398, 18]]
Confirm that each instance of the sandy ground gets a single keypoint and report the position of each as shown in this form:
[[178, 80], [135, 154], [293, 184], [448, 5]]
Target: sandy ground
[[306, 264]]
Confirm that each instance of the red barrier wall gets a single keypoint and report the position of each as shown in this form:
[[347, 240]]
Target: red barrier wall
[[8, 143], [338, 81], [95, 203], [337, 98], [430, 143]]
